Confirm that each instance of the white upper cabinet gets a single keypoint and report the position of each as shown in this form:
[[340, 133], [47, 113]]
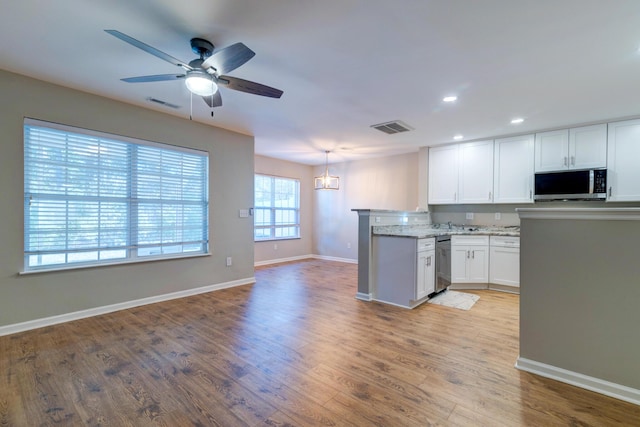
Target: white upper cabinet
[[623, 173], [476, 172], [588, 147], [513, 169], [552, 150], [577, 148], [461, 173], [443, 174]]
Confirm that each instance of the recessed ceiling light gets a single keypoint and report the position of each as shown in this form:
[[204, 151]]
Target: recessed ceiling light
[[517, 121], [458, 137], [449, 98]]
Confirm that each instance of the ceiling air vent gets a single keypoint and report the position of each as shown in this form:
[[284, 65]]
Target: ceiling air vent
[[392, 127], [164, 103]]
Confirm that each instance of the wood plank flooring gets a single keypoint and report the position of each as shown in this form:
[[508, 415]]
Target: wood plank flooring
[[295, 349]]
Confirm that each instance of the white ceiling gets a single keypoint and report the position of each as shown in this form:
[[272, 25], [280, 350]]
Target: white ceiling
[[345, 65]]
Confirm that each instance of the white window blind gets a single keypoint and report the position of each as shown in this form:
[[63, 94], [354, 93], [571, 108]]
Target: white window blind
[[276, 208], [93, 198]]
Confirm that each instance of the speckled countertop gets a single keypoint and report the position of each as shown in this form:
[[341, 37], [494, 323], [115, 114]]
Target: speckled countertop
[[433, 230]]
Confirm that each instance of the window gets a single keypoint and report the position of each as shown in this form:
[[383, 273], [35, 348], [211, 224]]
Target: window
[[93, 198], [277, 208]]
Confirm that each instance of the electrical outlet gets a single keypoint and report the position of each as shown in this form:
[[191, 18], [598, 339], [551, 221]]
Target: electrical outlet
[[377, 219], [469, 215], [498, 216], [229, 261], [275, 246]]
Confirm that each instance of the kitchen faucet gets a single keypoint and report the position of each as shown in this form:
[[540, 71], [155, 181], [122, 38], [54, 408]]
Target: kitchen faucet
[[449, 224]]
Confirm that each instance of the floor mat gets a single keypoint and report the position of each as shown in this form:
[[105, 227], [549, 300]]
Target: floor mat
[[461, 300]]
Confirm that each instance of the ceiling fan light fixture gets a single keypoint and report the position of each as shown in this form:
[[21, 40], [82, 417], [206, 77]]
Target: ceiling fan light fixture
[[200, 83]]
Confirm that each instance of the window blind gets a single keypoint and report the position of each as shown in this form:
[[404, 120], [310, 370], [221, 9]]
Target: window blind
[[276, 208], [93, 198]]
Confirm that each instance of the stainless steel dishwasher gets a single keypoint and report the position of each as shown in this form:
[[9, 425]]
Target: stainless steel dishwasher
[[443, 263]]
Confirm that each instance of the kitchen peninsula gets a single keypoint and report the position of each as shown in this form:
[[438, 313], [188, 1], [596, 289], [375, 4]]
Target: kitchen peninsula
[[412, 262], [396, 256]]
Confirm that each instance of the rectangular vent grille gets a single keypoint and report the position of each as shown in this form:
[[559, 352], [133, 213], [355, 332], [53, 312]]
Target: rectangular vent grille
[[164, 103], [390, 128]]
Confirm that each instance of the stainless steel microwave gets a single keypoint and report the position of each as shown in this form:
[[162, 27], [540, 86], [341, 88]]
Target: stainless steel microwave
[[586, 184]]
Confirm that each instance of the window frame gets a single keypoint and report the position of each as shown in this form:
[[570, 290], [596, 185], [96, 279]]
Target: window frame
[[132, 171], [273, 226]]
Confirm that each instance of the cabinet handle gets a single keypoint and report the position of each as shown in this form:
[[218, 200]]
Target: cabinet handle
[[455, 197], [473, 254], [429, 261], [609, 191], [489, 195], [564, 162], [530, 194], [573, 160]]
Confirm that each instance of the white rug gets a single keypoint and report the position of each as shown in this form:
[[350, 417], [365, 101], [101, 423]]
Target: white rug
[[454, 299]]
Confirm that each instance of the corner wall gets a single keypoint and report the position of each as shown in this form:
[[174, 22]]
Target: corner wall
[[381, 183], [35, 296]]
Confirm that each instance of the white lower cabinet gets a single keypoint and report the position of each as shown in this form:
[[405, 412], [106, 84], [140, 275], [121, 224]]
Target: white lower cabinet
[[469, 259], [426, 274], [404, 269], [504, 261]]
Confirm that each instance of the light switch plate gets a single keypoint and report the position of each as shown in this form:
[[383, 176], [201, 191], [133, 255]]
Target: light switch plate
[[498, 216], [469, 215]]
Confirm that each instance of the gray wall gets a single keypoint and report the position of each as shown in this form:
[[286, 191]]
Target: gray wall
[[579, 296], [34, 296], [380, 183]]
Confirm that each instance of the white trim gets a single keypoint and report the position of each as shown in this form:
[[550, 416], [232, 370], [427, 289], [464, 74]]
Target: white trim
[[96, 311], [364, 297], [281, 260], [621, 214], [597, 385], [303, 257], [338, 259]]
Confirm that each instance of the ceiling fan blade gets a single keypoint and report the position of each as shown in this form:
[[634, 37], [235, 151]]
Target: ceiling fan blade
[[155, 78], [149, 49], [249, 87], [228, 59], [214, 100]]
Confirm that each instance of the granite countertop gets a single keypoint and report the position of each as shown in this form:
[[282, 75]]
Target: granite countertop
[[433, 230]]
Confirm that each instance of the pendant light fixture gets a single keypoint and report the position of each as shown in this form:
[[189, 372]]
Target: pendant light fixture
[[326, 181]]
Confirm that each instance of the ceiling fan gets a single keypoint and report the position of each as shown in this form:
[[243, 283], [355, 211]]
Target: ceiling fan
[[203, 75]]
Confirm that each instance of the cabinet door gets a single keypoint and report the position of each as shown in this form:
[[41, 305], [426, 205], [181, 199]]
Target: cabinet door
[[478, 261], [588, 147], [505, 266], [459, 264], [443, 175], [623, 152], [513, 170], [425, 274], [476, 172], [552, 151]]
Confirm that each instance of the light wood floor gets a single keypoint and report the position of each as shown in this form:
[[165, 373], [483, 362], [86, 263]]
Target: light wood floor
[[297, 349]]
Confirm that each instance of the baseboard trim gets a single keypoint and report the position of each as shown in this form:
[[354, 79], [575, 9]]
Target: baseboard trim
[[364, 297], [82, 314], [281, 260], [303, 257], [597, 385], [338, 259]]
